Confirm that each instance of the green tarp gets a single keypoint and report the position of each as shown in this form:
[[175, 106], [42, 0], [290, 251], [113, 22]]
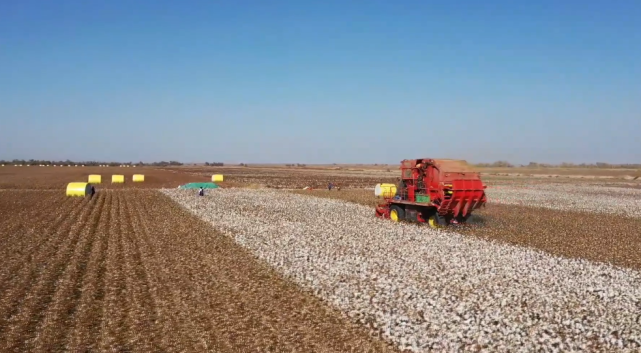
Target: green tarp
[[199, 185]]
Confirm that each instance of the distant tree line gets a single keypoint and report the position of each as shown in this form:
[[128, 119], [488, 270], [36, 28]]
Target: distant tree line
[[88, 163], [497, 164], [598, 165]]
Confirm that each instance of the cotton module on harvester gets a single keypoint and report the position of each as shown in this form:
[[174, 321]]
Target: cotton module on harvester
[[437, 191]]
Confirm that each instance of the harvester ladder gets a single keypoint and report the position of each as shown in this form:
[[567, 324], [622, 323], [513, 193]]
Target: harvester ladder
[[443, 207]]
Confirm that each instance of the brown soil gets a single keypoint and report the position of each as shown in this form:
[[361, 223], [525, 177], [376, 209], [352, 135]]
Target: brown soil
[[59, 177], [285, 178], [317, 178], [603, 238], [131, 271], [614, 172], [279, 178]]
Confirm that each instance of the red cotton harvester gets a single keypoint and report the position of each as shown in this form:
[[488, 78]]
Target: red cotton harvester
[[437, 191]]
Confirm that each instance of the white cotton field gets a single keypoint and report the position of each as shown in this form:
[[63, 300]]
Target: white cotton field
[[568, 197], [423, 289]]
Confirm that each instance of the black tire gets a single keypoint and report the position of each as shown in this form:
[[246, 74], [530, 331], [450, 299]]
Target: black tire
[[436, 221], [461, 219], [400, 212]]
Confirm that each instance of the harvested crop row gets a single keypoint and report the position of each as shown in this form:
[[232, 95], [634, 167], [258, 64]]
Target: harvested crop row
[[606, 238], [84, 326], [37, 281], [32, 250], [17, 226], [133, 271], [54, 326], [423, 289]]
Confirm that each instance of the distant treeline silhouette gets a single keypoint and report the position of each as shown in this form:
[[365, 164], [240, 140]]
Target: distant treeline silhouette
[[600, 165], [88, 163], [497, 164]]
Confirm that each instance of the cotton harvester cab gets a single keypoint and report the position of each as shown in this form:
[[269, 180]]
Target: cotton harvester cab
[[437, 191]]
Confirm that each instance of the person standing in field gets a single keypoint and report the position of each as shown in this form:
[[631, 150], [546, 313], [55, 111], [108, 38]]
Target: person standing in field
[[92, 192], [201, 191]]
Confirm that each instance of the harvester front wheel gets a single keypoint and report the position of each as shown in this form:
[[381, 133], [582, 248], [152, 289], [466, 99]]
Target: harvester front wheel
[[396, 213]]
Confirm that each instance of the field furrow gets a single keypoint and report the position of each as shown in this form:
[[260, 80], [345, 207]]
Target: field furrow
[[187, 331], [46, 271], [139, 314], [155, 323], [21, 246], [14, 235], [58, 318], [111, 332], [20, 275], [85, 322]]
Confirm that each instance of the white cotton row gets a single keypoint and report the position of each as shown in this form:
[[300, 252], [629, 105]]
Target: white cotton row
[[424, 289], [611, 200]]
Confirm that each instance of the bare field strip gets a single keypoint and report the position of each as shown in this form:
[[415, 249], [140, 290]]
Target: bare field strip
[[57, 178], [287, 178], [50, 178], [597, 237], [424, 289], [132, 271]]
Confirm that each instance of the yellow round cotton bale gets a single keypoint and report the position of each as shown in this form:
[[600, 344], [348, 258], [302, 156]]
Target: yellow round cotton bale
[[138, 178], [217, 178], [117, 179], [78, 189], [95, 179]]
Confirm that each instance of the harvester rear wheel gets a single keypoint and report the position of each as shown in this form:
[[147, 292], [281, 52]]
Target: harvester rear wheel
[[435, 221], [462, 219], [396, 213]]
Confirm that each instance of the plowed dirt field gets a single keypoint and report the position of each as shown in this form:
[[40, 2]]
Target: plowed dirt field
[[57, 178], [129, 270]]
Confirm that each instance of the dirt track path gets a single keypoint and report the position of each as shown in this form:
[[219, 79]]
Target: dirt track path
[[131, 271]]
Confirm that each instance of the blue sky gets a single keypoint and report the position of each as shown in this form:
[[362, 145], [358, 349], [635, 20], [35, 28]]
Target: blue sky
[[322, 81]]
